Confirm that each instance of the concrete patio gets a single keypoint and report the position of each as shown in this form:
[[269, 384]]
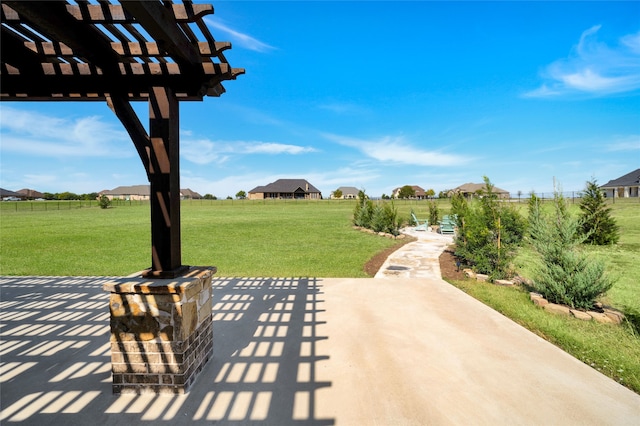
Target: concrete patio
[[404, 348]]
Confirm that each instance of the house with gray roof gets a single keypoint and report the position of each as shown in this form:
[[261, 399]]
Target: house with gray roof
[[9, 195], [348, 193], [470, 190], [142, 192], [286, 189], [627, 186]]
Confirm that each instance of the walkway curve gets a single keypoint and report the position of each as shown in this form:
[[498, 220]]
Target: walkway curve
[[417, 259]]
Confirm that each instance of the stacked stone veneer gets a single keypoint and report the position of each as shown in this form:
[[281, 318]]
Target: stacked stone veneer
[[161, 335]]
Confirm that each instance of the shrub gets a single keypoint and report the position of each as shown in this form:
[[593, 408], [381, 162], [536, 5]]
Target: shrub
[[385, 218], [363, 210], [565, 274], [434, 213], [379, 217], [488, 233], [104, 202], [597, 225]]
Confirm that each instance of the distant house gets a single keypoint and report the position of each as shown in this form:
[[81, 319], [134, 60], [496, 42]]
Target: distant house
[[129, 193], [627, 186], [142, 192], [470, 190], [420, 193], [30, 194], [348, 193], [286, 189], [7, 195], [187, 194]]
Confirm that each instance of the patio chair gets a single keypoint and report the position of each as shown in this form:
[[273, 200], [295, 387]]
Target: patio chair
[[424, 226], [447, 226]]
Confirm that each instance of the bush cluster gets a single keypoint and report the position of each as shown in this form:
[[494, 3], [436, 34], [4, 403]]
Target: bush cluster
[[379, 217], [489, 232]]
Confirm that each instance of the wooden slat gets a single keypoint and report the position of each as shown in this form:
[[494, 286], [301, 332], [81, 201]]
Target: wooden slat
[[86, 41], [160, 25], [115, 13], [77, 60], [53, 50]]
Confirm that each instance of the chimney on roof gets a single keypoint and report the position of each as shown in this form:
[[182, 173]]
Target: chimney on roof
[[307, 187]]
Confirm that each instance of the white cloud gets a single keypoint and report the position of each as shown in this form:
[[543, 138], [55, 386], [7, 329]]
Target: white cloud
[[238, 38], [204, 151], [593, 68], [273, 148], [624, 143], [34, 133], [342, 108], [397, 150]]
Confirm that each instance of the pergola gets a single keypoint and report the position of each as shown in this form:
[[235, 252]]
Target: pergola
[[136, 50]]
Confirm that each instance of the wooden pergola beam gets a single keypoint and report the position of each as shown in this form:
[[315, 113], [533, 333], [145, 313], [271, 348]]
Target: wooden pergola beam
[[161, 25], [57, 51]]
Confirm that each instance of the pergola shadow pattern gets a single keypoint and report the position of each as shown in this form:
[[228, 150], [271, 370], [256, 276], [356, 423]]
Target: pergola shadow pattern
[[55, 362]]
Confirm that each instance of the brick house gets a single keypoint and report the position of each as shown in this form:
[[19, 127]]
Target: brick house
[[286, 189], [420, 193]]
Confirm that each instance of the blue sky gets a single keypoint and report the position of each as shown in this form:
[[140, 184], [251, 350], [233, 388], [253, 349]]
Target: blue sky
[[375, 95]]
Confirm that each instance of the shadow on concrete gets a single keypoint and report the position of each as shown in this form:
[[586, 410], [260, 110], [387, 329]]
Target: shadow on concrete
[[55, 356]]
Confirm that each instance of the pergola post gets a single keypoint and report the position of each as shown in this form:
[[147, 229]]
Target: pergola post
[[58, 51], [164, 179]]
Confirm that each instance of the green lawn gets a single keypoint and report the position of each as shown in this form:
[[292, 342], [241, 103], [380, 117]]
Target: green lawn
[[241, 238], [304, 238]]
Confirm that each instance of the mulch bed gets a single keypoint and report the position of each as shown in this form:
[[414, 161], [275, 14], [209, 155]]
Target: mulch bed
[[448, 268]]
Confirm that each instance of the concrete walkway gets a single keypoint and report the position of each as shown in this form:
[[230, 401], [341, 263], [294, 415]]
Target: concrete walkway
[[404, 348]]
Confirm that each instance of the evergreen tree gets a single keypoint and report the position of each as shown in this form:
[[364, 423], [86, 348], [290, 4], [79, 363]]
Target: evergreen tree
[[565, 274], [489, 232], [597, 225]]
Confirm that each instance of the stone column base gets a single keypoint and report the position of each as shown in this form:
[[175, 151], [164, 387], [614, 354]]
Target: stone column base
[[161, 334]]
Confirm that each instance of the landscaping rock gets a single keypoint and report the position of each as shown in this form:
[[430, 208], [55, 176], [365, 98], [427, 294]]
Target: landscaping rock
[[600, 317], [538, 300], [518, 279], [503, 282], [482, 277], [557, 309], [607, 316], [615, 316], [580, 315], [469, 273]]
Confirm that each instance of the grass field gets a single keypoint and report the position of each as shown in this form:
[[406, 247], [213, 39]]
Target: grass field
[[241, 238], [304, 238]]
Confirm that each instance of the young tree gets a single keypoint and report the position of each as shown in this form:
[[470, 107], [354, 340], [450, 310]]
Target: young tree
[[406, 192], [565, 274], [337, 193], [363, 211], [434, 213], [104, 202], [488, 232], [597, 225], [241, 195]]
